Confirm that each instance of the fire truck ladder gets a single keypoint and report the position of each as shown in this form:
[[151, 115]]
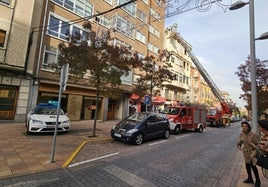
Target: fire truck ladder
[[206, 76]]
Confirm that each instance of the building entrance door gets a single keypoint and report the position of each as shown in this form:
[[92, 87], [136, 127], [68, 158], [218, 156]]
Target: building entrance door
[[8, 102], [111, 110]]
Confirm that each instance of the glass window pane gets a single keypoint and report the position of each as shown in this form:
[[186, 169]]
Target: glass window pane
[[6, 2], [88, 10], [59, 1], [76, 32], [53, 26], [65, 30], [69, 4], [79, 7]]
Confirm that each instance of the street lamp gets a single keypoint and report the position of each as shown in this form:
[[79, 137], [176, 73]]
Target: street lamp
[[264, 36], [235, 6]]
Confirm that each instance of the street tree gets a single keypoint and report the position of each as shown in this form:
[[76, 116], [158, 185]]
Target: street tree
[[261, 80], [155, 72], [95, 61]]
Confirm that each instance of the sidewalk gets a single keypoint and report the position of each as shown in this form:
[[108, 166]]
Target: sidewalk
[[22, 154], [243, 176]]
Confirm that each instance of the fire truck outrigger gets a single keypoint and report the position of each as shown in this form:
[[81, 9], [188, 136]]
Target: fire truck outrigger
[[213, 117]]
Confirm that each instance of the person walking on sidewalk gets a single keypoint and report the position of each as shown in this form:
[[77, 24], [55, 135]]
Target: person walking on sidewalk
[[246, 138], [262, 147]]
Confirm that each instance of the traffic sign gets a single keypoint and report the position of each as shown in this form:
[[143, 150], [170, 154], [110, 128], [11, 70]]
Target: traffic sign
[[147, 99]]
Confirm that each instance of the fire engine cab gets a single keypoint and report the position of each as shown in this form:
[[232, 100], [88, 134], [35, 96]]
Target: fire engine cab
[[182, 117]]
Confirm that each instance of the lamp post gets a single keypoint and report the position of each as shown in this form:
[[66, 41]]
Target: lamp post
[[254, 109]]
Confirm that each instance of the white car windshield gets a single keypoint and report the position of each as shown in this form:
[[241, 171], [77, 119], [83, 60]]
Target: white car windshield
[[47, 110]]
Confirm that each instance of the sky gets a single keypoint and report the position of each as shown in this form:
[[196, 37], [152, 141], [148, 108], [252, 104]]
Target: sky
[[221, 39]]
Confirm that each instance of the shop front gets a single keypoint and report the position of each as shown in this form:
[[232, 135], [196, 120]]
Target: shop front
[[79, 104]]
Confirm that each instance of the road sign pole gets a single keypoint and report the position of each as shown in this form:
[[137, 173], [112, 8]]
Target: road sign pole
[[63, 81]]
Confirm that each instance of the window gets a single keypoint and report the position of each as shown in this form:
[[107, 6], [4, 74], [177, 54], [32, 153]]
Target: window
[[140, 37], [123, 26], [142, 16], [62, 29], [130, 8], [146, 1], [172, 59], [2, 38], [154, 31], [50, 58], [80, 7], [6, 2], [109, 1], [120, 43], [103, 20], [153, 48]]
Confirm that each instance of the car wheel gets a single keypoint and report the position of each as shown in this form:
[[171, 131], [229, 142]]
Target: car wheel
[[177, 129], [138, 139], [166, 134], [200, 129]]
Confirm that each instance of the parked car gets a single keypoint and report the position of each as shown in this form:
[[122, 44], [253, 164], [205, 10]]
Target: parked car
[[141, 126], [43, 119]]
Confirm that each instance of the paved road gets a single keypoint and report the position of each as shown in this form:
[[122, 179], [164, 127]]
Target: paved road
[[189, 159]]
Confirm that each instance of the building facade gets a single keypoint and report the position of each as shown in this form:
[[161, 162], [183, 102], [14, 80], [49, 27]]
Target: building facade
[[29, 38], [15, 67], [179, 89], [31, 32]]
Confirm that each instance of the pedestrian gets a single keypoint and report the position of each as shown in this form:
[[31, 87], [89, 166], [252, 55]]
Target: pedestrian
[[262, 147], [263, 143], [246, 139]]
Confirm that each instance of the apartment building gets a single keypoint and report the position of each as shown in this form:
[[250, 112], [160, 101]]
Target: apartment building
[[178, 90], [16, 68], [138, 25], [196, 85]]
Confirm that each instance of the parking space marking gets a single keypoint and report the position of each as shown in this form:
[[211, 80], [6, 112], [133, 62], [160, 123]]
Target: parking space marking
[[78, 149], [178, 137], [91, 160], [158, 142]]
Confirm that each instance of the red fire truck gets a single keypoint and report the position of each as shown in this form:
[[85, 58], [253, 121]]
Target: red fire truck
[[182, 117], [221, 117]]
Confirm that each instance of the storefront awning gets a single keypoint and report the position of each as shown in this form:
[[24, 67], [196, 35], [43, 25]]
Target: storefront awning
[[159, 100], [134, 96]]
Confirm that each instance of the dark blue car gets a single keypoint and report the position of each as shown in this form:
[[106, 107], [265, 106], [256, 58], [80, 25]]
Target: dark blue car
[[141, 126]]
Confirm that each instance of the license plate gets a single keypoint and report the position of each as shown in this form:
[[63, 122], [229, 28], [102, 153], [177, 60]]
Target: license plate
[[50, 126], [117, 135]]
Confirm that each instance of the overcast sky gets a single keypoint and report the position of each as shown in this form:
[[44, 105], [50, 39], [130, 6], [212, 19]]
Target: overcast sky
[[220, 39]]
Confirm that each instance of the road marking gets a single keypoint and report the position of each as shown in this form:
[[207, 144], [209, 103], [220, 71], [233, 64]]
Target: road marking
[[158, 142], [78, 149], [32, 182], [127, 177], [178, 137], [91, 160]]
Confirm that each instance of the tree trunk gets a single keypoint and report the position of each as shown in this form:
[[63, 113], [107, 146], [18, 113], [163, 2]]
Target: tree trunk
[[96, 112]]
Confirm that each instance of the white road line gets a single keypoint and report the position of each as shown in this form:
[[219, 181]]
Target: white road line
[[178, 137], [128, 177], [91, 160], [158, 142]]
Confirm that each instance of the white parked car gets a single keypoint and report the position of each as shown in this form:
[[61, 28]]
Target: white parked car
[[43, 119]]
